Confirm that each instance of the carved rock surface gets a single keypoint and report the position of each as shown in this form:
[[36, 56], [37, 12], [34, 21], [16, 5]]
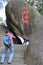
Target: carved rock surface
[[20, 17], [34, 52]]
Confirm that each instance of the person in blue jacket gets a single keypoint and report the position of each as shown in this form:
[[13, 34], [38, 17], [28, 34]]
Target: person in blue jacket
[[11, 47]]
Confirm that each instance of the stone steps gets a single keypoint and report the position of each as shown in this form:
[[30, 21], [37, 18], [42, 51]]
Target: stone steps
[[18, 58]]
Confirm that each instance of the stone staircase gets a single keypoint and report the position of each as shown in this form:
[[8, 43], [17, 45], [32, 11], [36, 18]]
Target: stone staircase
[[18, 58]]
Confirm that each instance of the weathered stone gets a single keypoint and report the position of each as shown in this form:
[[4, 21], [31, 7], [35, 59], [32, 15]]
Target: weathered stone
[[14, 18], [34, 52], [2, 32]]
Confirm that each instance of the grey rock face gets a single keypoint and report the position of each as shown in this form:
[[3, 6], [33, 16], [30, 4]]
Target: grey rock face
[[2, 32], [34, 53], [14, 17]]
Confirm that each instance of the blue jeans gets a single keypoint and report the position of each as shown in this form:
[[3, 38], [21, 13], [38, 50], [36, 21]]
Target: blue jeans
[[5, 53]]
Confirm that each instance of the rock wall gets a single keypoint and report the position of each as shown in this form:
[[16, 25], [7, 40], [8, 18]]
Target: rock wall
[[2, 32], [34, 51], [16, 11]]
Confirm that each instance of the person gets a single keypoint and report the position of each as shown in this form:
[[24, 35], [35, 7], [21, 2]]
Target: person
[[11, 47]]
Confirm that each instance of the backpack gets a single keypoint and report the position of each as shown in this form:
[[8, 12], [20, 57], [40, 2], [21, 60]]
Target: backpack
[[6, 40]]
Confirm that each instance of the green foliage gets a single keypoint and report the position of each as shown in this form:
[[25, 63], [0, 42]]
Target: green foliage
[[41, 11], [30, 2], [37, 4]]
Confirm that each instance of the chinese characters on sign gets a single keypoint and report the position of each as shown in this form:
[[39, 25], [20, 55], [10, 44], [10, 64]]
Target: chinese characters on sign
[[25, 15]]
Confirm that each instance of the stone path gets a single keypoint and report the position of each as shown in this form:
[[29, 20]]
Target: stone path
[[18, 58]]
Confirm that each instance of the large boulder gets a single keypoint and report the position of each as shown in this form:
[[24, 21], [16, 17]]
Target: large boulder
[[20, 18], [15, 22], [34, 51]]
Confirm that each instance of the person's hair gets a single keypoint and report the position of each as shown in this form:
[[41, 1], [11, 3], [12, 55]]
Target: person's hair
[[7, 31]]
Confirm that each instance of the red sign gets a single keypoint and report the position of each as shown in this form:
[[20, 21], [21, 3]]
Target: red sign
[[25, 12], [25, 15], [26, 21]]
